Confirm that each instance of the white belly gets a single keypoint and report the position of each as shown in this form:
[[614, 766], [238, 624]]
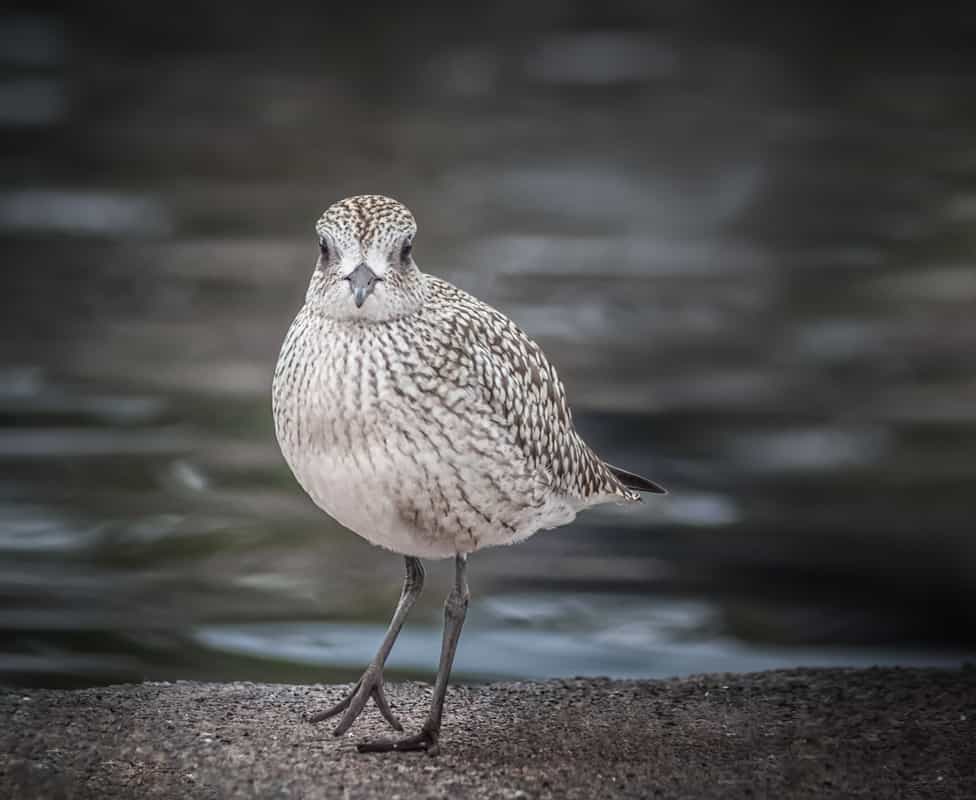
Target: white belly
[[369, 493], [358, 500]]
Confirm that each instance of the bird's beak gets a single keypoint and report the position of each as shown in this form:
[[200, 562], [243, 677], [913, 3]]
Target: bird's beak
[[361, 283]]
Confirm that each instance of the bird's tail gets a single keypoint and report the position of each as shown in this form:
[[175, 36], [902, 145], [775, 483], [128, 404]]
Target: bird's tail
[[636, 482]]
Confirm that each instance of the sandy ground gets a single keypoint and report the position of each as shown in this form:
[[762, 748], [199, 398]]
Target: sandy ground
[[803, 733]]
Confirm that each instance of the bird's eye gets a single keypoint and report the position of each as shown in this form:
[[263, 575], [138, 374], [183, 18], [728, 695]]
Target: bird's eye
[[405, 252], [324, 248]]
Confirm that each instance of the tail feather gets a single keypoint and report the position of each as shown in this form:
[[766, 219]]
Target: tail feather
[[636, 482]]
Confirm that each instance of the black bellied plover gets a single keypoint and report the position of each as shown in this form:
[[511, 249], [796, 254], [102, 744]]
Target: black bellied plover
[[425, 421]]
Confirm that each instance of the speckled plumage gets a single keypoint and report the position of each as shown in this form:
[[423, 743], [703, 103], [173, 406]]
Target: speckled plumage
[[425, 421], [430, 427]]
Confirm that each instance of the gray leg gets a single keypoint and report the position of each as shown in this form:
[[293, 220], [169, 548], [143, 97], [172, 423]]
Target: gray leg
[[454, 611], [371, 683]]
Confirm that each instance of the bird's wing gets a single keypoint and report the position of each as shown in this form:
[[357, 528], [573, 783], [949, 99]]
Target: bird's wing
[[513, 377]]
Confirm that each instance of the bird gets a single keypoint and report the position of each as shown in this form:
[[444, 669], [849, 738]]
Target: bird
[[428, 423]]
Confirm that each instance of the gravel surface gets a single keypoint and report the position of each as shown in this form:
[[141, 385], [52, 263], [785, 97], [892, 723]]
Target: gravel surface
[[799, 733]]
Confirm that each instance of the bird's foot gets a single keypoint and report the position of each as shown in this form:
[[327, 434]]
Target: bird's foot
[[426, 740], [370, 685]]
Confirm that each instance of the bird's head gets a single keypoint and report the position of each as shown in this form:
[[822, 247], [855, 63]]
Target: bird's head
[[365, 270]]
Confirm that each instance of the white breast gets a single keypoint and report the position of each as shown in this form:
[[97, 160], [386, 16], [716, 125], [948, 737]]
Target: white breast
[[416, 471]]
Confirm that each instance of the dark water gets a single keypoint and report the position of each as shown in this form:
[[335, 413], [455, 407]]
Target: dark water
[[748, 248]]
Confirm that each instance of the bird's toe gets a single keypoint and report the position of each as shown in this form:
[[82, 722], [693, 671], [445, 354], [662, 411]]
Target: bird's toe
[[426, 740]]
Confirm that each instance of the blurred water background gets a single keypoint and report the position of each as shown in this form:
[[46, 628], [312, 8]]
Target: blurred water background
[[746, 240]]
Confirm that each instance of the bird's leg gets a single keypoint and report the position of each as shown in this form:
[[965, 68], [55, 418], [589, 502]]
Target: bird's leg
[[371, 683], [454, 611]]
